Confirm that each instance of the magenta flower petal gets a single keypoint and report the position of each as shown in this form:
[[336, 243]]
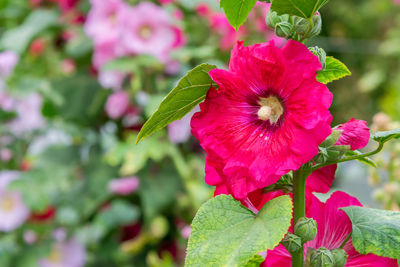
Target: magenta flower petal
[[355, 134], [321, 180], [267, 118]]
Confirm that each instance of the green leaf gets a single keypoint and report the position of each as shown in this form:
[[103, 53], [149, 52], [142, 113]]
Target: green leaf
[[368, 161], [236, 11], [190, 91], [225, 233], [334, 70], [255, 261], [301, 8], [119, 213], [384, 136], [18, 39], [375, 231], [130, 64]]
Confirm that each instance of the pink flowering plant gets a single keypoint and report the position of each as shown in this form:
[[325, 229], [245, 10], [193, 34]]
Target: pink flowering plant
[[271, 150]]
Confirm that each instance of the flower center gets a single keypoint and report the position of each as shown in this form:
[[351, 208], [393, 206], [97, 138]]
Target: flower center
[[55, 256], [7, 204], [145, 32], [270, 109]]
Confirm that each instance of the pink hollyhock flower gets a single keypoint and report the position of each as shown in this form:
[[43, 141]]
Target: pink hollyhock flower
[[151, 31], [111, 79], [396, 2], [5, 154], [333, 228], [117, 104], [267, 118], [179, 131], [124, 186], [355, 134], [13, 211], [65, 254], [8, 60]]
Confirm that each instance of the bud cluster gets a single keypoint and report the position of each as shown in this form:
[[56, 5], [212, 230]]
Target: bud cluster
[[293, 27], [323, 257]]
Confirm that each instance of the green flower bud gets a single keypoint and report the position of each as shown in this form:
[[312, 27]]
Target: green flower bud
[[301, 25], [322, 257], [292, 242], [306, 229], [340, 257], [320, 53], [272, 19], [317, 21], [284, 29], [335, 135]]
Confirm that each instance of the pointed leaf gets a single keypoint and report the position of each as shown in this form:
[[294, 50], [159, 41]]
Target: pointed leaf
[[301, 8], [190, 91], [236, 11], [384, 136], [334, 70], [368, 161], [225, 233], [375, 231]]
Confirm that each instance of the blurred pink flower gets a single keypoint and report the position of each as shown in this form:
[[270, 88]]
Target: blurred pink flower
[[8, 60], [111, 79], [30, 237], [151, 31], [166, 1], [65, 254], [123, 186], [5, 154], [229, 36], [185, 231], [396, 2], [29, 115], [179, 131], [105, 20], [13, 211], [117, 104], [68, 66], [59, 234]]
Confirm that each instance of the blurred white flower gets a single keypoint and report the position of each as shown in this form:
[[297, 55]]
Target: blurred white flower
[[123, 186], [179, 131], [65, 254]]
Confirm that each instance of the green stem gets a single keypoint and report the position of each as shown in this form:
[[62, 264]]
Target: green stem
[[315, 167], [299, 189], [345, 241]]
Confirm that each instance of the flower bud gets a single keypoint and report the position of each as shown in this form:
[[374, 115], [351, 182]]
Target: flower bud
[[272, 19], [306, 229], [301, 25], [317, 21], [283, 29], [340, 257], [292, 242], [335, 135], [322, 257], [320, 53]]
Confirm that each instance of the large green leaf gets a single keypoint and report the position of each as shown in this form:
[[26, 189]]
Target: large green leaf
[[301, 8], [225, 233], [189, 92], [384, 136], [18, 39], [375, 231], [334, 70], [236, 11]]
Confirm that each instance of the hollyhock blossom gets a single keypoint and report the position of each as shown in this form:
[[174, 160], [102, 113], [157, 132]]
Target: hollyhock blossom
[[229, 36], [30, 237], [123, 186], [8, 60], [267, 118], [179, 131], [117, 104], [65, 254], [355, 134], [333, 228], [13, 211], [151, 31]]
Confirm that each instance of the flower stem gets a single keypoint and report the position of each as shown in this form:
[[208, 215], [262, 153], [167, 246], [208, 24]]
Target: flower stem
[[379, 148], [299, 191]]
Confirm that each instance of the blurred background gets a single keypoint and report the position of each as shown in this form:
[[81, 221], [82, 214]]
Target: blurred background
[[78, 78]]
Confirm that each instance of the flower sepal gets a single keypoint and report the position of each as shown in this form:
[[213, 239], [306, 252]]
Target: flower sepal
[[322, 257]]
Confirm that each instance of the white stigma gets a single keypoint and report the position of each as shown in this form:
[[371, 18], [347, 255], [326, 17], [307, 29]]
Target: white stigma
[[270, 109]]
